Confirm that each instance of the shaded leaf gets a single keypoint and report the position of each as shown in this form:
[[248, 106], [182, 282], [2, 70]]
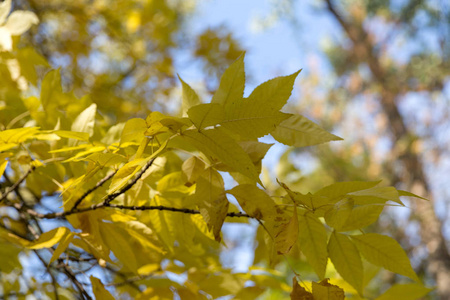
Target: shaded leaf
[[384, 251], [407, 291], [346, 259], [326, 291], [313, 242], [216, 144]]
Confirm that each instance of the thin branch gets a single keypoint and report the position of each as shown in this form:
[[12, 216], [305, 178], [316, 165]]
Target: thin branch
[[16, 185], [113, 196], [54, 282], [99, 184]]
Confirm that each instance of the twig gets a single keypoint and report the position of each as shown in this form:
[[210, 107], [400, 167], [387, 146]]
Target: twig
[[99, 184], [54, 283], [16, 185]]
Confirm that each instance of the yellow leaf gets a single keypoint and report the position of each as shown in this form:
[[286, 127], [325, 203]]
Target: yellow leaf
[[232, 84], [62, 246], [298, 131], [192, 168], [384, 251], [216, 144], [326, 291], [343, 188], [207, 114], [190, 97], [313, 242], [82, 136], [299, 292], [99, 290], [211, 200], [85, 121], [361, 216], [3, 166], [18, 135], [408, 291], [384, 193], [133, 131], [254, 201], [287, 234], [346, 259], [48, 239], [127, 171], [339, 213]]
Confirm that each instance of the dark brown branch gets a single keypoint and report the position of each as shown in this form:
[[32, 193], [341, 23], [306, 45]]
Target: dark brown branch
[[16, 185], [111, 197], [99, 184]]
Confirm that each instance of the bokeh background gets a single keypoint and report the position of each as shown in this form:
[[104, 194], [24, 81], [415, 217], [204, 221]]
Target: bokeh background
[[376, 73]]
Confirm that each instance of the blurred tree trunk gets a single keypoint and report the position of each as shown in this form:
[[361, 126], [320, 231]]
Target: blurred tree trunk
[[413, 173]]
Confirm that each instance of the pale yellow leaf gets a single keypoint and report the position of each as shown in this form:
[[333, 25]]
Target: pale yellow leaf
[[190, 97], [298, 131], [20, 21]]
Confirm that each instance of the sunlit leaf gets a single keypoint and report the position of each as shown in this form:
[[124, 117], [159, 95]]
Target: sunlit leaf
[[298, 131]]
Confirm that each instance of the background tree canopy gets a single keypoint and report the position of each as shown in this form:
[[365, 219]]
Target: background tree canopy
[[121, 179]]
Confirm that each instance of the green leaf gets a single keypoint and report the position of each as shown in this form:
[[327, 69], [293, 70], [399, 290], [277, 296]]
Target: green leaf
[[254, 201], [212, 201], [298, 131], [313, 242], [232, 84], [407, 291], [217, 144], [207, 114], [190, 97], [346, 259], [384, 251]]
